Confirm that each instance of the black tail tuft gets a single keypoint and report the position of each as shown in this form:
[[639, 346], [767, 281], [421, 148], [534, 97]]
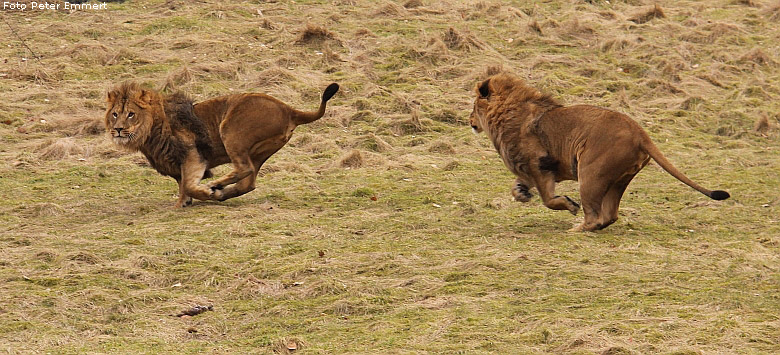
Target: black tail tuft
[[331, 90], [719, 195]]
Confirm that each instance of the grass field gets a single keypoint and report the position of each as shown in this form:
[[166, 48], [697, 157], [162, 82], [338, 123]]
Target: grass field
[[387, 226]]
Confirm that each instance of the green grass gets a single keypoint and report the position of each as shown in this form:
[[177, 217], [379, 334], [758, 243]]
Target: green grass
[[420, 248]]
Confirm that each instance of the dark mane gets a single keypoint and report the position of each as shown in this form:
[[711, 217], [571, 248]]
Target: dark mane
[[179, 111], [518, 91], [163, 147]]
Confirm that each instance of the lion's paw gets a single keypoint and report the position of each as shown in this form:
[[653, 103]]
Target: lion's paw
[[521, 194], [574, 207], [217, 194]]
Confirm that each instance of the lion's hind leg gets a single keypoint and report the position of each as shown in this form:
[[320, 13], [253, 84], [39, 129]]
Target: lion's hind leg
[[592, 193], [242, 168], [247, 184], [611, 202]]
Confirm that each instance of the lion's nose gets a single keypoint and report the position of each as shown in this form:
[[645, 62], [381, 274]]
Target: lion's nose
[[118, 130], [474, 127]]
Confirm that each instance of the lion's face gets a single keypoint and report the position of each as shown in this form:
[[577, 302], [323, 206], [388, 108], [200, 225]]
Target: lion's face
[[477, 116], [128, 117]]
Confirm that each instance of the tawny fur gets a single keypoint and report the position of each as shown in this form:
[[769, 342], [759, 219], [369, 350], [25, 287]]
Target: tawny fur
[[543, 142], [183, 140]]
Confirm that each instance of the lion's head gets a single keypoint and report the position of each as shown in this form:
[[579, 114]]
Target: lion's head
[[480, 106], [130, 114], [505, 91]]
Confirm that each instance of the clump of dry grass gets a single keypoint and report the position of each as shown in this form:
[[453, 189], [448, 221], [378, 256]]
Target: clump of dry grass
[[177, 79], [267, 24], [274, 76], [455, 39], [413, 4], [34, 74], [408, 126], [647, 16], [351, 160], [616, 44], [84, 257], [288, 345], [709, 33], [312, 34], [535, 27], [61, 148], [44, 209], [391, 9], [762, 124], [436, 49], [751, 3], [690, 103], [494, 69], [442, 147], [81, 125], [89, 52], [228, 71], [757, 56], [374, 143], [616, 350], [364, 32], [576, 28], [773, 12]]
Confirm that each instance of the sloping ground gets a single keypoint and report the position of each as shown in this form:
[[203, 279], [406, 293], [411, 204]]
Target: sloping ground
[[387, 226]]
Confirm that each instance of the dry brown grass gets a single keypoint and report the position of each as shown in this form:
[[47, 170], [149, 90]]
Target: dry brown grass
[[762, 124], [413, 4], [315, 34], [442, 147], [649, 15], [391, 9], [773, 11], [62, 148], [353, 159], [455, 39], [757, 56], [751, 3], [535, 27]]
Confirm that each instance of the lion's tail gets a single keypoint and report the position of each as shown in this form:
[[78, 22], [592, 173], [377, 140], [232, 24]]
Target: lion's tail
[[651, 149], [300, 117]]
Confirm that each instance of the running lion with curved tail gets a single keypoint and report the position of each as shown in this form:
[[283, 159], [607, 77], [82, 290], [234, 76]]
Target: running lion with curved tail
[[543, 142], [183, 140]]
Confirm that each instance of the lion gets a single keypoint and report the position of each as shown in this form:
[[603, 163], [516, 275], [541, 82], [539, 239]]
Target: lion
[[183, 140], [543, 142]]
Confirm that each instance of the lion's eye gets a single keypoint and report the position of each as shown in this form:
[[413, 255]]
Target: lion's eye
[[131, 115], [114, 114]]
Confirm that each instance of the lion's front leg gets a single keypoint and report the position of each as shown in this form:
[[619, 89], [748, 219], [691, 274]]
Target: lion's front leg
[[521, 190], [545, 184], [184, 199], [192, 172]]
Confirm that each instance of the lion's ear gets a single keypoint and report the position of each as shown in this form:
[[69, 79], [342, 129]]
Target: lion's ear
[[484, 89], [145, 97], [111, 96]]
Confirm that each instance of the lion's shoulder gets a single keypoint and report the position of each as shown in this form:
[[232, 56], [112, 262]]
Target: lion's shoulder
[[179, 109]]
